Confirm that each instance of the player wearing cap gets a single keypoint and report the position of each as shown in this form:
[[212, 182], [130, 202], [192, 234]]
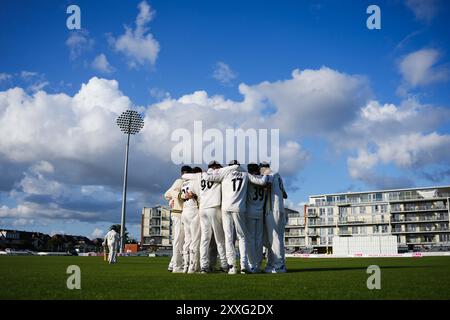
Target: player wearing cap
[[275, 221], [210, 198], [176, 205], [234, 196]]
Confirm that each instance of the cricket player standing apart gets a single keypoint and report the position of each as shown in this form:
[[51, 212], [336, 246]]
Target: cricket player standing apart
[[275, 220], [176, 205], [112, 241], [234, 196]]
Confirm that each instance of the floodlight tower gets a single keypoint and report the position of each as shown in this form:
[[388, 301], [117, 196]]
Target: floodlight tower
[[129, 122]]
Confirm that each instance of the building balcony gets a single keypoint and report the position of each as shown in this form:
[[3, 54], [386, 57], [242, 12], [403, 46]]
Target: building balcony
[[294, 235], [295, 243], [420, 220], [321, 223], [296, 226], [406, 210], [362, 222], [419, 231], [443, 196]]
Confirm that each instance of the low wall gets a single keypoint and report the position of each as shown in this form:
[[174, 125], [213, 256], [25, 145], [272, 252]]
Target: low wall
[[399, 255]]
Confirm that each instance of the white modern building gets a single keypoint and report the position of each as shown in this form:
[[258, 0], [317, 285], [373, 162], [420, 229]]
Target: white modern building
[[295, 230], [156, 227], [417, 217]]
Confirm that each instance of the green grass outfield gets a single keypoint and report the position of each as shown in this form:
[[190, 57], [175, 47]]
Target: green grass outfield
[[34, 277]]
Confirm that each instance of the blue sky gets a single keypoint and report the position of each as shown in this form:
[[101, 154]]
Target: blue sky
[[395, 135]]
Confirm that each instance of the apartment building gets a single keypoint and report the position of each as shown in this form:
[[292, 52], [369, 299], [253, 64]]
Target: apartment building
[[418, 217], [156, 227], [295, 237]]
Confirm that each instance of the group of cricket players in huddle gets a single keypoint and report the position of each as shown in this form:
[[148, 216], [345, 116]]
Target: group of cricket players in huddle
[[210, 210]]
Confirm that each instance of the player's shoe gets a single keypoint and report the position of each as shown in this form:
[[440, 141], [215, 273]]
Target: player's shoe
[[191, 270], [245, 271], [270, 270], [282, 269], [178, 270], [204, 271], [232, 270], [223, 270]]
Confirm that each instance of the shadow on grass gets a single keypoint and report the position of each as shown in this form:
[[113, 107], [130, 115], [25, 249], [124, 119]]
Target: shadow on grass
[[294, 270]]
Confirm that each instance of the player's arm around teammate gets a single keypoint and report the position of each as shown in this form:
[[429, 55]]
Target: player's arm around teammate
[[176, 205], [210, 197], [256, 195], [275, 222], [191, 222]]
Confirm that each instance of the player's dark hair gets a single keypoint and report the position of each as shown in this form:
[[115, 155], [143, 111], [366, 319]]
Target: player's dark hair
[[213, 164], [186, 169], [197, 170], [233, 162], [253, 168]]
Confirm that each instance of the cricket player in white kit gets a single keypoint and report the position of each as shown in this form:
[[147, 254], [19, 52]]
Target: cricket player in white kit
[[275, 222], [112, 241], [210, 198], [191, 223], [234, 197], [254, 220], [176, 204]]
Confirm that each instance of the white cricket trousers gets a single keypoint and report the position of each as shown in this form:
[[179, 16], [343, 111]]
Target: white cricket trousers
[[112, 255], [211, 224], [231, 221], [255, 228], [191, 247], [177, 243], [275, 222]]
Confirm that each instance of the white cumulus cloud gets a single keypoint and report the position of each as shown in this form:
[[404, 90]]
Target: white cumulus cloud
[[101, 64], [97, 233], [79, 42], [138, 44], [420, 68]]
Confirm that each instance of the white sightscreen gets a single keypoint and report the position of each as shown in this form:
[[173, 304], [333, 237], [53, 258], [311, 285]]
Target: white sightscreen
[[367, 245]]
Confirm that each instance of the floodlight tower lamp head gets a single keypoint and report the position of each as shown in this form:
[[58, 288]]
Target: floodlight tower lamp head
[[130, 122]]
